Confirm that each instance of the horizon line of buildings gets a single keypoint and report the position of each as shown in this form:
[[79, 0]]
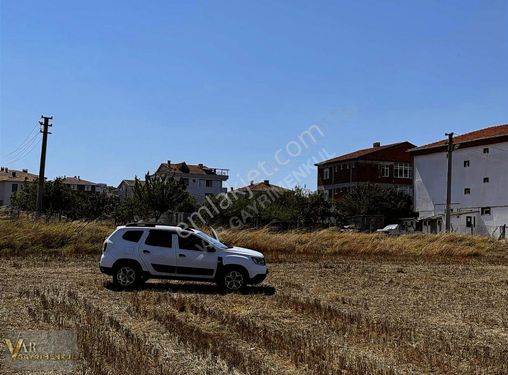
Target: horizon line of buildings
[[479, 183]]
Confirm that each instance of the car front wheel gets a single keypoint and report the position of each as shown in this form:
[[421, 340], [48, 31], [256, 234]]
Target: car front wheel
[[233, 280]]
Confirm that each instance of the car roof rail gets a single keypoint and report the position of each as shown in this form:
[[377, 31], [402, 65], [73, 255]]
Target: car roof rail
[[150, 225]]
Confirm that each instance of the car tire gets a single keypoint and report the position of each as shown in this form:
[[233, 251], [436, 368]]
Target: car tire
[[127, 275], [233, 279]]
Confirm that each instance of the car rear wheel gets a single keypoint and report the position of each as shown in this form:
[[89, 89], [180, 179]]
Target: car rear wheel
[[126, 276]]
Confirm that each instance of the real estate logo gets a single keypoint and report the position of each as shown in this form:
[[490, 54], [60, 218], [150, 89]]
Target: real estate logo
[[40, 350]]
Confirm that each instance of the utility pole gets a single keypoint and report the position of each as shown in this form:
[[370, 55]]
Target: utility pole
[[449, 182], [40, 190]]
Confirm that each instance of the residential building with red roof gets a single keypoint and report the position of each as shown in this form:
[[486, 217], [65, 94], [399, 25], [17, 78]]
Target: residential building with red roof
[[384, 165], [263, 187], [78, 184], [479, 198], [199, 179], [11, 181]]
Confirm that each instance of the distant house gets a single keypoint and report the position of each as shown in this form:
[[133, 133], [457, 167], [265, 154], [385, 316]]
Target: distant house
[[479, 198], [11, 181], [126, 188], [386, 166], [262, 187], [199, 179], [78, 184]]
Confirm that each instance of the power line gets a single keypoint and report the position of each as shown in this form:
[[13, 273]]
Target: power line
[[27, 153], [22, 152], [22, 144]]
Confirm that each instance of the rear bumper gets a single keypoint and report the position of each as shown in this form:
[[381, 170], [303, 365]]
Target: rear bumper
[[106, 270], [259, 278]]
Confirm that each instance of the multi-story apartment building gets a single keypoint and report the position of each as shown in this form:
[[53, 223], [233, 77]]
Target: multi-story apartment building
[[388, 166], [479, 198], [199, 179], [11, 181]]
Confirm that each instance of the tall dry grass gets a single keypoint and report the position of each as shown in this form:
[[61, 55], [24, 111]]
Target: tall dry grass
[[23, 235], [331, 242]]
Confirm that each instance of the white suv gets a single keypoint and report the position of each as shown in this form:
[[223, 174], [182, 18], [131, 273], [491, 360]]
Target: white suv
[[136, 252]]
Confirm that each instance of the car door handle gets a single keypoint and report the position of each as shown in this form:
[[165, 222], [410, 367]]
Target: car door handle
[[182, 255], [146, 252]]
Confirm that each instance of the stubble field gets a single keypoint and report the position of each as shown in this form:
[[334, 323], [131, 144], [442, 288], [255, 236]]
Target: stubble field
[[337, 314]]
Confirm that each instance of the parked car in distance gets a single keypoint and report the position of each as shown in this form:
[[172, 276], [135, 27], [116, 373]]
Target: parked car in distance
[[134, 253], [391, 229]]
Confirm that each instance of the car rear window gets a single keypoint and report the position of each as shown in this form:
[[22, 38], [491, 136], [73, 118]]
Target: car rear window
[[132, 235], [161, 238]]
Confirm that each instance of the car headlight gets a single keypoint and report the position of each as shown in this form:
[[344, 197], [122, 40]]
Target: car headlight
[[257, 260]]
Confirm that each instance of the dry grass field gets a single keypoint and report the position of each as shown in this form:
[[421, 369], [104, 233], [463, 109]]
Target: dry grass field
[[413, 304]]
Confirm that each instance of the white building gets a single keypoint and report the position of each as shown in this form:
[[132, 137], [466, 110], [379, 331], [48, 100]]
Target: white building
[[479, 183], [11, 181], [199, 179]]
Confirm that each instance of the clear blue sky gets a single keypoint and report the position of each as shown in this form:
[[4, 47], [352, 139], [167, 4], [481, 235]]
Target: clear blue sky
[[228, 83]]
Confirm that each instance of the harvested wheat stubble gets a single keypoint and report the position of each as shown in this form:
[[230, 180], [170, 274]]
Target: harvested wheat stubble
[[343, 314]]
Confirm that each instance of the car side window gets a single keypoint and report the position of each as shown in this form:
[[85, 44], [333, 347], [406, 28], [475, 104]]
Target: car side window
[[192, 242], [161, 238], [132, 235]]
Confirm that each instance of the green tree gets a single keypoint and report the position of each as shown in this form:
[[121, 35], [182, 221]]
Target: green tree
[[375, 200], [161, 193]]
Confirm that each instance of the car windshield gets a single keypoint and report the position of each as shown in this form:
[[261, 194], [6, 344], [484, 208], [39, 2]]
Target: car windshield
[[212, 240]]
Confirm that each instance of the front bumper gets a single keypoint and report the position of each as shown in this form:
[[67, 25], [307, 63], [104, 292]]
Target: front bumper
[[259, 278]]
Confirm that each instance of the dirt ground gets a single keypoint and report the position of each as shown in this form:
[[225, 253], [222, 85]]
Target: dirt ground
[[345, 315]]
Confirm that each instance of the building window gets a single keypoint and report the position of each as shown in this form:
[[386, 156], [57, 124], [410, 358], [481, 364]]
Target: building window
[[336, 168], [352, 164], [185, 181], [486, 150], [467, 191], [385, 171], [326, 173], [466, 163], [14, 188], [341, 166], [486, 180], [403, 170], [209, 183], [80, 187], [326, 194], [485, 211]]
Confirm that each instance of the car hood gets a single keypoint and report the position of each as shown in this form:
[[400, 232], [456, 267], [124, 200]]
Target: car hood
[[243, 251]]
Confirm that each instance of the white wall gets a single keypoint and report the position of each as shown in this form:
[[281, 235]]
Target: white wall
[[430, 185], [6, 191], [197, 185]]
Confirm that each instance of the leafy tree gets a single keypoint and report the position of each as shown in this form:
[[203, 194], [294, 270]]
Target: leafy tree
[[375, 200], [161, 193]]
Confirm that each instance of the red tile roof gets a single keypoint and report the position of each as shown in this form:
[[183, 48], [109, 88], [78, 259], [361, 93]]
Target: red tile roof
[[486, 134], [13, 175], [263, 186], [185, 168], [76, 181], [360, 153]]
